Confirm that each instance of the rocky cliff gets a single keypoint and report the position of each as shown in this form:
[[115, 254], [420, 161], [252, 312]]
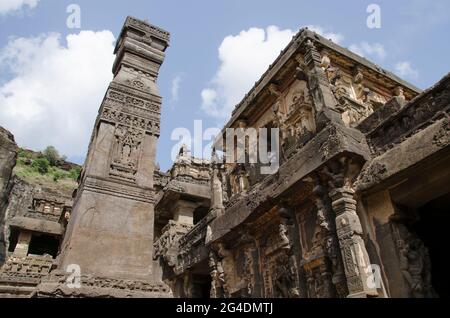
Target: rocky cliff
[[8, 156]]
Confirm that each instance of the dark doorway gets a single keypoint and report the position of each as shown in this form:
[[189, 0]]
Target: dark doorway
[[44, 244], [200, 213], [13, 238], [432, 228], [201, 286]]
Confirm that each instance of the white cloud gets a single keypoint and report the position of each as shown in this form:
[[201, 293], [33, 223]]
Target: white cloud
[[176, 87], [404, 69], [335, 37], [8, 6], [243, 59], [56, 89], [366, 49], [209, 98]]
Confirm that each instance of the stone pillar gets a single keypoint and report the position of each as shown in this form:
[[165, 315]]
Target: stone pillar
[[353, 250], [321, 91], [216, 184], [183, 212], [23, 244], [319, 86], [110, 233]]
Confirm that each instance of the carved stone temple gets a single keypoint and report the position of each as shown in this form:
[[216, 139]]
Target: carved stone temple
[[359, 206]]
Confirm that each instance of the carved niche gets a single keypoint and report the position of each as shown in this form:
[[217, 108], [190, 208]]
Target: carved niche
[[249, 270], [295, 116], [316, 262], [126, 152], [415, 263], [218, 281], [222, 271], [355, 99], [279, 267]]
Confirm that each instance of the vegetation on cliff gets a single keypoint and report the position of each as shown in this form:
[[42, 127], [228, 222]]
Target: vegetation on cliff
[[46, 168]]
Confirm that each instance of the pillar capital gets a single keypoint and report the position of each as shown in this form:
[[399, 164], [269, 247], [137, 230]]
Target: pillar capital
[[141, 46]]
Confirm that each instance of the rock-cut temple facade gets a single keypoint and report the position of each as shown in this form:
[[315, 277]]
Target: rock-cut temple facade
[[358, 207]]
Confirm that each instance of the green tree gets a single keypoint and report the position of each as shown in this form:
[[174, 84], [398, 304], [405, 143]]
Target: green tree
[[52, 155], [41, 165], [74, 173]]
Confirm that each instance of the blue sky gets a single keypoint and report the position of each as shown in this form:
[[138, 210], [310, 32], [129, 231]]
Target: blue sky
[[218, 50]]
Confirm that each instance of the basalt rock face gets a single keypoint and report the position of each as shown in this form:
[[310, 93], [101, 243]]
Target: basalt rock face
[[8, 155]]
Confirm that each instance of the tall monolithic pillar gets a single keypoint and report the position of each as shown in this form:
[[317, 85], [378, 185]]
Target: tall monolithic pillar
[[110, 233]]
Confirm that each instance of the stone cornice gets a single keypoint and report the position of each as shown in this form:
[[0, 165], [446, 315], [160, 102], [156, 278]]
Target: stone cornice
[[332, 142], [290, 51]]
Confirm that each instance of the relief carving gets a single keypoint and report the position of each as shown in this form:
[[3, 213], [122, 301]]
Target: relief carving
[[249, 271], [280, 272], [297, 120], [442, 138], [415, 263], [218, 281], [126, 152]]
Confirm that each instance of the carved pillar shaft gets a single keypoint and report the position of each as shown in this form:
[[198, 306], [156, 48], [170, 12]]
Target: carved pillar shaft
[[23, 244], [318, 83], [111, 229], [353, 250]]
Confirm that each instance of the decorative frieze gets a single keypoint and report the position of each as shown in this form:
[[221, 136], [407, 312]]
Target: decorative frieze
[[167, 245], [115, 116], [57, 285], [418, 114], [26, 269], [145, 26]]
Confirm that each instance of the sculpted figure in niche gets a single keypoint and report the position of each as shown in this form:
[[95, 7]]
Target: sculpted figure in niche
[[399, 92], [234, 184], [279, 118], [225, 266], [248, 270], [216, 183], [284, 277], [361, 92], [239, 179], [225, 197], [415, 263], [283, 235], [217, 277], [128, 141]]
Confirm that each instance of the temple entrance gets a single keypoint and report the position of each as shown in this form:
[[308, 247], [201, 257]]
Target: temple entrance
[[44, 244], [201, 286], [432, 228], [201, 280]]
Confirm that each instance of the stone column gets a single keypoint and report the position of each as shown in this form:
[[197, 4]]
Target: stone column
[[183, 212], [353, 250], [320, 88], [110, 233], [23, 244], [216, 184]]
